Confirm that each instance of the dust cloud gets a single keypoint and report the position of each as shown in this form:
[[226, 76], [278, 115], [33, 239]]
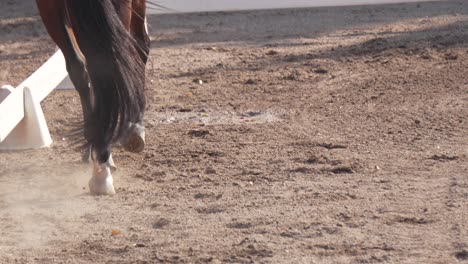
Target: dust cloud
[[39, 203]]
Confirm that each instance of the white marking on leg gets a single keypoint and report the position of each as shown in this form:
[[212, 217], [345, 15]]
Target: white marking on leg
[[112, 165], [102, 182]]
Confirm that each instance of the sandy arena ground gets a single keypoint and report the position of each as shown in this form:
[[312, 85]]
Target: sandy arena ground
[[327, 135]]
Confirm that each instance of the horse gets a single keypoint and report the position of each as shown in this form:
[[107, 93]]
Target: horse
[[106, 47]]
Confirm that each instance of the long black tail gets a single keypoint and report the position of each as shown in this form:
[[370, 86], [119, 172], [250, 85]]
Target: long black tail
[[116, 72]]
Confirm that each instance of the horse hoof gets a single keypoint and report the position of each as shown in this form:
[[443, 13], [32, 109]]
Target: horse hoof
[[102, 182], [98, 187], [136, 143]]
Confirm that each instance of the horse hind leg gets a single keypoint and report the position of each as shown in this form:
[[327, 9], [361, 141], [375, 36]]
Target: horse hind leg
[[79, 77], [102, 182], [88, 158], [135, 141], [139, 30], [56, 21]]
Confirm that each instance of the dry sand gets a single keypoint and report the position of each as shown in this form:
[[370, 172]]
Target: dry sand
[[326, 135]]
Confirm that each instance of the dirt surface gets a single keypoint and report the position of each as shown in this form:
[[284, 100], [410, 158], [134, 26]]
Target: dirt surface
[[328, 135]]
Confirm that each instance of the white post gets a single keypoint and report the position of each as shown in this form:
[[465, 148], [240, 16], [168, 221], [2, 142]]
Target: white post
[[22, 122]]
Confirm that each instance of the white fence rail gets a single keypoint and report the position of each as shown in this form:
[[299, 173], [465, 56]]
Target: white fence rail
[[22, 122]]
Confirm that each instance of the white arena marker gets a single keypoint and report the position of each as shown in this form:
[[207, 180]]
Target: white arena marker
[[47, 77], [32, 131], [22, 122], [66, 84], [11, 110]]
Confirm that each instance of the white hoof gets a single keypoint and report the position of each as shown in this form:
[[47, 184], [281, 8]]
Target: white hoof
[[102, 182]]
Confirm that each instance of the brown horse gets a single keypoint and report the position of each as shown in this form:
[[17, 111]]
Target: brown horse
[[106, 45]]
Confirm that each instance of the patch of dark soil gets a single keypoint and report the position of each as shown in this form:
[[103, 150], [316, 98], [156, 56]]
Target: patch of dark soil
[[444, 157], [462, 255], [161, 223], [332, 146]]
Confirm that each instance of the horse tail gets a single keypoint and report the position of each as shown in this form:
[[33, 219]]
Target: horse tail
[[116, 72]]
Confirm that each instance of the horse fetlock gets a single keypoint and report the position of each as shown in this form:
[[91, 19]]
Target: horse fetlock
[[88, 158]]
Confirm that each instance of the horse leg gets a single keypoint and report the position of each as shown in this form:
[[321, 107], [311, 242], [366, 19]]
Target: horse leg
[[116, 79], [139, 30], [79, 77], [132, 14], [88, 158], [137, 27], [55, 19], [102, 183]]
